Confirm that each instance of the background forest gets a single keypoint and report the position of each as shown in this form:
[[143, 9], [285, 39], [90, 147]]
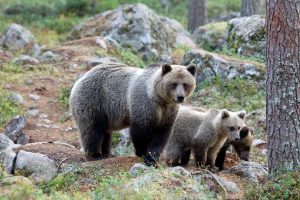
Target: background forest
[[45, 46]]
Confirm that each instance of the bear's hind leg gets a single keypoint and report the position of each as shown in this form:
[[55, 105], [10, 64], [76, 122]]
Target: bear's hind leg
[[92, 137], [185, 158]]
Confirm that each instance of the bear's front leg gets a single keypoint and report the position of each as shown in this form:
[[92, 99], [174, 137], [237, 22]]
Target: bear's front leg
[[160, 137], [200, 154]]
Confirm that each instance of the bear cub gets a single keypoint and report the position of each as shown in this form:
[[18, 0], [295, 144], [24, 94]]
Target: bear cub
[[242, 147], [114, 96], [203, 134]]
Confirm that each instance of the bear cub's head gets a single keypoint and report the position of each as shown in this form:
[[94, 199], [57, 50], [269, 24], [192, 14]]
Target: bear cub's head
[[243, 147], [231, 123], [177, 82]]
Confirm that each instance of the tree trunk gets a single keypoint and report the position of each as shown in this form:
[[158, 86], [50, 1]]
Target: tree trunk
[[197, 14], [250, 7], [283, 85]]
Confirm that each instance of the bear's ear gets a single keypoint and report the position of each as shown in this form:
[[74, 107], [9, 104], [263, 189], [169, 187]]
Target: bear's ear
[[224, 114], [242, 114], [192, 69], [244, 132], [166, 68]]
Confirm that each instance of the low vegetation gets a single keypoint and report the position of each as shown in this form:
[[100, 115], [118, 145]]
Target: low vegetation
[[285, 186]]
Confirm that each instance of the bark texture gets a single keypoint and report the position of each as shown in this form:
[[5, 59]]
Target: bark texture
[[197, 14], [250, 7], [283, 84]]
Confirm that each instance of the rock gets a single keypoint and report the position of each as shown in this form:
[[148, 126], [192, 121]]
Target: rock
[[49, 56], [229, 185], [162, 59], [26, 60], [136, 27], [32, 112], [7, 157], [210, 65], [5, 57], [16, 37], [264, 152], [23, 139], [15, 98], [259, 143], [98, 61], [14, 128], [211, 36], [251, 171], [212, 181], [247, 36], [180, 171], [38, 166], [11, 180], [6, 142], [34, 97], [137, 169], [124, 146]]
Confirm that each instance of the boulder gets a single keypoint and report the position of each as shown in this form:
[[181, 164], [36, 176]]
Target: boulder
[[11, 180], [38, 166], [7, 158], [102, 60], [210, 65], [211, 36], [247, 35], [136, 27], [26, 60], [251, 171], [13, 129], [6, 142], [17, 37]]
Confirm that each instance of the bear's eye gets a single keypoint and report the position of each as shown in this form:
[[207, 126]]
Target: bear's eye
[[174, 85], [185, 86], [231, 128], [239, 128], [247, 148]]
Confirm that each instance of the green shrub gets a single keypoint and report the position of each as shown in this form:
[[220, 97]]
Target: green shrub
[[283, 187], [63, 97], [8, 109]]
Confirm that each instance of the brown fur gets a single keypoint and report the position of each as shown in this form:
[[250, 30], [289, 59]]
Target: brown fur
[[204, 133], [113, 96]]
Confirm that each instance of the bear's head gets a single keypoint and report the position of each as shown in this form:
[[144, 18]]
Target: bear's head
[[244, 145], [230, 123], [176, 82]]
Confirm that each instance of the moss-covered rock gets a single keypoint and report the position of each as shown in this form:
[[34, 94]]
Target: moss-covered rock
[[211, 36], [136, 27], [210, 65], [246, 35]]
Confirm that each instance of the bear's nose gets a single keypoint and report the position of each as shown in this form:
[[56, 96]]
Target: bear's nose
[[180, 99], [237, 139]]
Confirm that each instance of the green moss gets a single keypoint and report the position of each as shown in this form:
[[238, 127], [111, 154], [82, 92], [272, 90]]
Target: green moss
[[234, 94], [285, 186], [63, 97]]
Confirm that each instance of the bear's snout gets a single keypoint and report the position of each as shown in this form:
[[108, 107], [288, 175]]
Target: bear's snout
[[180, 99]]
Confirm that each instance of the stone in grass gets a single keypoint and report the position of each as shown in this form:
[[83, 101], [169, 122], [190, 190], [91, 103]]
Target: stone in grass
[[7, 157], [137, 169], [13, 129], [16, 98], [251, 171], [38, 166]]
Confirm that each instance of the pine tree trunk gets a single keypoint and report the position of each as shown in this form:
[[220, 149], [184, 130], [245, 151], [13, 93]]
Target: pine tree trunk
[[197, 14], [283, 84], [250, 7]]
